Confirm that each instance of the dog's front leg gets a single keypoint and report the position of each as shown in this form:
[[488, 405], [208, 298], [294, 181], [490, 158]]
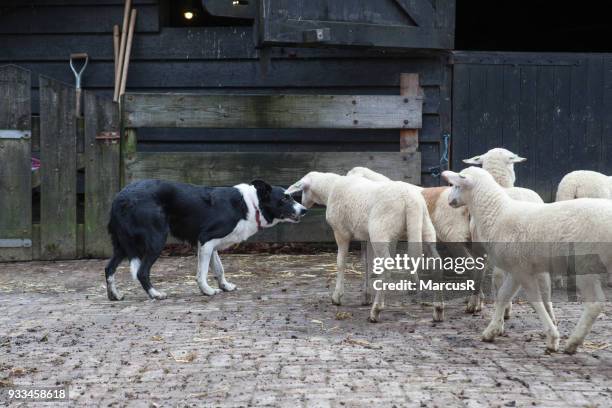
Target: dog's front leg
[[204, 254], [220, 274]]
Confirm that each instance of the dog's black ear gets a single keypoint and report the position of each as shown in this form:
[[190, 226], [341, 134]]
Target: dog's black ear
[[263, 188]]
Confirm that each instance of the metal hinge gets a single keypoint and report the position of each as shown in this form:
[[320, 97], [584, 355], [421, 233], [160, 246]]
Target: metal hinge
[[107, 136], [15, 134], [15, 243]]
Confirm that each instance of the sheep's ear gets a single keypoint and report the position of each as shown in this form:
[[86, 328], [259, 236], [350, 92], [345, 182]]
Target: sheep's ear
[[301, 185], [517, 159], [474, 160], [457, 179]]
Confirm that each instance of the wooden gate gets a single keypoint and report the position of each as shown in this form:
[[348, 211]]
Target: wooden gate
[[66, 146], [553, 109]]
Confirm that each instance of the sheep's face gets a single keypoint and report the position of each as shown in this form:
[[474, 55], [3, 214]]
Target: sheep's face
[[498, 162], [461, 187]]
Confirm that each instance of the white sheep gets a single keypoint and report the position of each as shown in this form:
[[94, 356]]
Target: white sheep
[[452, 225], [516, 225], [499, 162], [361, 209], [584, 184]]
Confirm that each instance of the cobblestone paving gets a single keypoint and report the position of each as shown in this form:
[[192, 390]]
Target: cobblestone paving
[[277, 341]]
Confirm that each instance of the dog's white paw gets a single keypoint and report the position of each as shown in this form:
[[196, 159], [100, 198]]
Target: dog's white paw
[[156, 294], [208, 291], [227, 286]]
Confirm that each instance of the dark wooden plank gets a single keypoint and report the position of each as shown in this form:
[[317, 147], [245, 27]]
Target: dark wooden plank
[[289, 74], [544, 126], [510, 100], [578, 103], [528, 131], [515, 58], [15, 167], [194, 43], [561, 126], [594, 113], [81, 19], [227, 169], [461, 116], [58, 232], [493, 109], [102, 178], [272, 111], [478, 110]]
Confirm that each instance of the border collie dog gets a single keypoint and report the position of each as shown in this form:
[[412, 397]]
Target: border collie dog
[[145, 212]]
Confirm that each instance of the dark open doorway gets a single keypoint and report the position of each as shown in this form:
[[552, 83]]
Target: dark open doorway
[[534, 25]]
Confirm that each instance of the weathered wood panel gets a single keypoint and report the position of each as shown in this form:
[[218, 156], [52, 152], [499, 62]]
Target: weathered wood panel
[[58, 232], [273, 111], [227, 169], [552, 110], [290, 74], [71, 19], [15, 167], [102, 178], [312, 228]]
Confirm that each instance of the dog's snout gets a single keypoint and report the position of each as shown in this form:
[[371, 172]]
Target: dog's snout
[[303, 211]]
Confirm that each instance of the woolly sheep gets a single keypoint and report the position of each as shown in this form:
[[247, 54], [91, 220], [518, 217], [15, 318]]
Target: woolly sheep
[[515, 223], [499, 162], [451, 225], [361, 209], [584, 184]]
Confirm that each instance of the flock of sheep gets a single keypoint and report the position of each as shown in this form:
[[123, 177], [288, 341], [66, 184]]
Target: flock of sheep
[[481, 205]]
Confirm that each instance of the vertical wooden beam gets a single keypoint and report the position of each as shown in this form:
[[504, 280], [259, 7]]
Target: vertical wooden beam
[[58, 152], [102, 177], [128, 153], [409, 86], [15, 164]]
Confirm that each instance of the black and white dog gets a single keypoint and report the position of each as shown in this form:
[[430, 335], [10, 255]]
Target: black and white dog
[[145, 212]]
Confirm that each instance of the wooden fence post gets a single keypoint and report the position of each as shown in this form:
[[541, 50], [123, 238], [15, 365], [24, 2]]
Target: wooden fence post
[[409, 86], [58, 151], [15, 164], [102, 175]]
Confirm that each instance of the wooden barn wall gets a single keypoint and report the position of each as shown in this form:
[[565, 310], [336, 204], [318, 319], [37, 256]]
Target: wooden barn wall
[[553, 109], [40, 34]]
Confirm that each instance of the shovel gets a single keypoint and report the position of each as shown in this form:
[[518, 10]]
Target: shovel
[[77, 76]]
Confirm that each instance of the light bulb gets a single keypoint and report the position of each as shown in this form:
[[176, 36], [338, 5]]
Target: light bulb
[[188, 15]]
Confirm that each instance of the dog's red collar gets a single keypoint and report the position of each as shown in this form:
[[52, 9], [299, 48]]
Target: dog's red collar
[[258, 219]]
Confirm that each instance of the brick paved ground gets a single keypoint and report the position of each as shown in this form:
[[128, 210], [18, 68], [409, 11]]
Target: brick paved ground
[[275, 342]]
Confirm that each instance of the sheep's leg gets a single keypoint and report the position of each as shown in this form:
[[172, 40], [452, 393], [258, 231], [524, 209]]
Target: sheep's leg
[[381, 250], [534, 296], [343, 247], [438, 276], [594, 297], [504, 297], [544, 284]]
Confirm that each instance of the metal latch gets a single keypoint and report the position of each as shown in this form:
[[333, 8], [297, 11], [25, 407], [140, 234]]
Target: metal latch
[[316, 35], [15, 243], [107, 136], [15, 134]]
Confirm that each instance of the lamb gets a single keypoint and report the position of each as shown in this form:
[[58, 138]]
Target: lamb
[[499, 162], [451, 225], [584, 184], [362, 209], [516, 224]]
